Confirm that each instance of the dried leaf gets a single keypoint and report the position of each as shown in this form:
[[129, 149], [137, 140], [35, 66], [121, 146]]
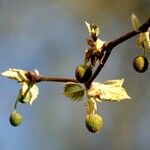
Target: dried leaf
[[74, 91]]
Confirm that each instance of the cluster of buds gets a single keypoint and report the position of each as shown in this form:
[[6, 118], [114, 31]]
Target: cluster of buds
[[92, 55]]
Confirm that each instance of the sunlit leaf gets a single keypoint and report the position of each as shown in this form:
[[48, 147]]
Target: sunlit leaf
[[94, 90], [112, 90], [135, 22], [114, 83], [16, 74], [99, 44], [144, 40], [28, 93], [93, 29], [88, 27], [74, 91], [91, 106]]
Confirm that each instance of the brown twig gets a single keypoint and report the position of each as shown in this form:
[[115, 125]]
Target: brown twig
[[33, 77]]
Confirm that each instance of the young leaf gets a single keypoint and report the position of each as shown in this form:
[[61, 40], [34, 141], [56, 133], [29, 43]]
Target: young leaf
[[93, 29], [135, 22], [91, 106], [74, 91], [16, 74], [112, 90], [28, 93], [144, 40]]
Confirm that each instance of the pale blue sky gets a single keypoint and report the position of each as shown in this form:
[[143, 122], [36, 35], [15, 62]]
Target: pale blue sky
[[49, 36]]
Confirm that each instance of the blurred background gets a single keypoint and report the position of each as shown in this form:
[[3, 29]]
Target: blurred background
[[49, 36]]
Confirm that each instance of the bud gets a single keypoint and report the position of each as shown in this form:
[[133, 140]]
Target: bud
[[83, 73], [15, 119], [94, 123], [140, 63]]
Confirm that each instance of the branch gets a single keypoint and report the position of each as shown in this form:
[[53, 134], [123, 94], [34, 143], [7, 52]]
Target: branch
[[37, 78], [110, 45], [106, 51]]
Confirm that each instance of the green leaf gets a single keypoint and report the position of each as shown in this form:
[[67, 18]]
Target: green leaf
[[74, 91]]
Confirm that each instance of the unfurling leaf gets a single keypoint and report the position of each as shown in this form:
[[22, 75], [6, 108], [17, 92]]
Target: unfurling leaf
[[135, 22], [112, 90], [93, 30], [74, 91], [94, 91], [144, 40], [91, 106], [16, 74], [87, 55], [28, 93], [29, 90]]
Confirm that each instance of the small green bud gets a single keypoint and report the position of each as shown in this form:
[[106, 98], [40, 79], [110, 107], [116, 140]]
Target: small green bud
[[140, 63], [15, 119], [83, 73], [94, 123]]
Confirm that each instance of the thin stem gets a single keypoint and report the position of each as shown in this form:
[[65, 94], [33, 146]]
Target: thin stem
[[33, 77], [53, 79], [15, 105], [123, 38]]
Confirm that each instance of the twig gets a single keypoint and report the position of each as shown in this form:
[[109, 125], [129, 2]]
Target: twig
[[33, 77], [108, 48]]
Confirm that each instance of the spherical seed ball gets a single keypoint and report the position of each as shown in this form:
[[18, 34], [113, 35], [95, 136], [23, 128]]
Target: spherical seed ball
[[140, 63], [94, 123], [83, 73], [15, 119]]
